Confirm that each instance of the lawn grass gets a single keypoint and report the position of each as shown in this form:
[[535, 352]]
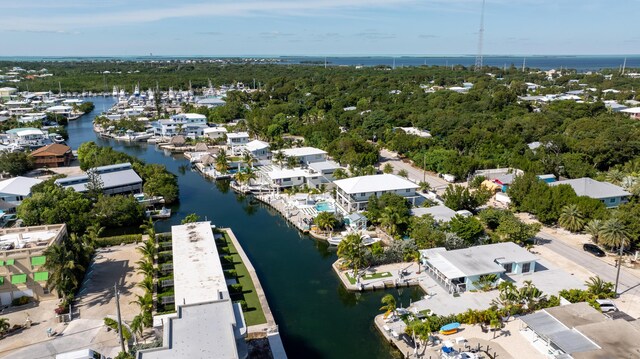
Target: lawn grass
[[369, 276], [254, 315]]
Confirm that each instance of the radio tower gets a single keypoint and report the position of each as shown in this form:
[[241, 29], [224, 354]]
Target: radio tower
[[480, 39]]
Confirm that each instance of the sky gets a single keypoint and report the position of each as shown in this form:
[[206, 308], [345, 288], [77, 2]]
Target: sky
[[317, 27]]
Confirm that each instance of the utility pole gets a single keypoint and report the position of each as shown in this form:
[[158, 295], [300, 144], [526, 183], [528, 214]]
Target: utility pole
[[479, 58], [424, 167], [619, 260], [115, 288]]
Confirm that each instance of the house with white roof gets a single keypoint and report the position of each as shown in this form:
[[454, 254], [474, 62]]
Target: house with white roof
[[28, 137], [611, 195], [15, 190], [459, 270], [214, 133], [62, 110], [319, 173], [116, 179], [633, 112], [259, 149], [352, 194], [210, 102], [415, 131], [237, 141], [189, 124], [306, 155], [282, 178], [440, 213]]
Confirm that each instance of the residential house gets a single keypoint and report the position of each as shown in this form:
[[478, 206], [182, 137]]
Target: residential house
[[306, 155], [28, 137], [6, 92], [54, 155], [189, 124], [237, 141], [352, 194], [214, 133], [115, 179], [259, 149], [440, 213], [281, 178], [611, 195], [633, 112], [459, 270], [320, 173], [22, 259], [15, 190], [579, 331], [210, 102]]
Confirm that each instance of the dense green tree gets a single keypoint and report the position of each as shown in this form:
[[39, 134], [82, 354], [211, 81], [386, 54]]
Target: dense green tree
[[468, 228], [15, 163]]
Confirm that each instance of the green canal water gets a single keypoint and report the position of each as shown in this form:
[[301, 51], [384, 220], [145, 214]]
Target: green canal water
[[316, 316]]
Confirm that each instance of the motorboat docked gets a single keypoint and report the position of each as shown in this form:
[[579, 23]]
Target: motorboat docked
[[365, 239], [135, 136], [159, 213], [334, 241]]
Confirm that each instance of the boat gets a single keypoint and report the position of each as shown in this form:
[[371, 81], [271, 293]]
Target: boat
[[159, 213], [450, 328], [334, 241], [366, 240]]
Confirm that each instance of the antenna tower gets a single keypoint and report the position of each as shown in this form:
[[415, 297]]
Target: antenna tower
[[480, 40]]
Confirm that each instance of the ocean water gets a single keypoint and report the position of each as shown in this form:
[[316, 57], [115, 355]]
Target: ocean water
[[580, 63]]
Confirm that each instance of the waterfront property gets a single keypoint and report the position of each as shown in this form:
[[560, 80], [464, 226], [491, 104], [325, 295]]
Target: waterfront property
[[190, 124], [581, 332], [306, 155], [440, 213], [15, 190], [116, 179], [611, 195], [53, 155], [208, 324], [352, 194], [259, 149], [214, 133], [463, 269], [21, 260], [236, 141], [28, 137]]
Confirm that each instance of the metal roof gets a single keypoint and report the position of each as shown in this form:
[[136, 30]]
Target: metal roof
[[568, 340], [303, 151], [439, 213], [591, 188], [374, 183], [20, 186]]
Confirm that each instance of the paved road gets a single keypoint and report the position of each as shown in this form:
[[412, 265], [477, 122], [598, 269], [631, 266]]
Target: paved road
[[415, 174], [628, 281]]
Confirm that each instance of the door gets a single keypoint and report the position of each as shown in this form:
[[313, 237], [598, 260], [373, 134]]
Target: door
[[5, 298]]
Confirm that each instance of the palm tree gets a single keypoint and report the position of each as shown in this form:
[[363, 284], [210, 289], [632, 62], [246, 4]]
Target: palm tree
[[495, 324], [599, 288], [615, 176], [403, 173], [594, 227], [390, 219], [248, 159], [292, 162], [4, 326], [279, 157], [614, 234], [146, 267], [137, 325], [146, 284], [148, 250], [145, 302], [149, 229], [222, 164], [387, 168], [424, 186], [571, 218], [64, 270], [325, 221], [389, 306], [352, 252], [340, 173]]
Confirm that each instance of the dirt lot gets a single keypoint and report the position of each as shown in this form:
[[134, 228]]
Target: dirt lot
[[115, 265]]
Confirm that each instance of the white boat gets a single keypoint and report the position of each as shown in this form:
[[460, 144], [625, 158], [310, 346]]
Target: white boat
[[159, 214], [367, 240], [334, 241]]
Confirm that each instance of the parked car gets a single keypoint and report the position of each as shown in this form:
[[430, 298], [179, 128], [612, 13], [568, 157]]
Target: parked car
[[606, 305], [593, 249]]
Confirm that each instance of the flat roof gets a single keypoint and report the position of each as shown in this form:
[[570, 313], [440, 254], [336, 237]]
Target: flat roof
[[203, 330], [567, 339], [616, 339], [20, 186], [439, 212], [286, 173], [197, 273], [237, 134], [477, 260], [113, 179], [256, 145], [303, 151], [30, 237], [374, 183], [591, 188], [324, 165]]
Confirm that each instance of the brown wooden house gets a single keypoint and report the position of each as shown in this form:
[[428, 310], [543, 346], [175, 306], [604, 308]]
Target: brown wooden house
[[54, 155]]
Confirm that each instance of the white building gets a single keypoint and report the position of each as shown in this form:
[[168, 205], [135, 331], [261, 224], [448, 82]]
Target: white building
[[15, 190], [611, 195], [237, 141], [188, 124], [282, 178], [116, 179], [353, 194], [214, 132], [306, 155], [207, 324], [28, 137], [62, 110], [259, 149]]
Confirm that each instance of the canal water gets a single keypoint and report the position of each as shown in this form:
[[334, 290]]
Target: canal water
[[317, 317]]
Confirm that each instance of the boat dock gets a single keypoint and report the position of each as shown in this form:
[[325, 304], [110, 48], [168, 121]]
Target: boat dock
[[297, 217]]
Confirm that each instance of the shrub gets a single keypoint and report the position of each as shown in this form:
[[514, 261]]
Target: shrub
[[236, 288], [118, 240], [243, 304], [231, 273], [21, 301], [228, 259]]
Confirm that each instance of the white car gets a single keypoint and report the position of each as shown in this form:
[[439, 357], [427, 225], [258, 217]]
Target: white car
[[606, 305]]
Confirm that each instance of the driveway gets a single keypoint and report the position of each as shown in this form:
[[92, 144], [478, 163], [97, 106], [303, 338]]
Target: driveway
[[415, 174]]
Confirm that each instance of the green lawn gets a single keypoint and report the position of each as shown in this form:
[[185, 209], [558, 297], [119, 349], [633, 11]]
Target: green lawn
[[369, 276], [254, 315]]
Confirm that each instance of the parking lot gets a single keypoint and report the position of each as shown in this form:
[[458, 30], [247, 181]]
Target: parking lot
[[95, 301]]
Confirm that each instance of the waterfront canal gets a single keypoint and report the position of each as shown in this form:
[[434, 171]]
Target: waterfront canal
[[317, 317]]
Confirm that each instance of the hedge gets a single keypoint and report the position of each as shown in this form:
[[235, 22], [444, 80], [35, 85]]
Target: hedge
[[117, 240]]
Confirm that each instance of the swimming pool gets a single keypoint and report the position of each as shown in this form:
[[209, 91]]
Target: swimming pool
[[325, 207]]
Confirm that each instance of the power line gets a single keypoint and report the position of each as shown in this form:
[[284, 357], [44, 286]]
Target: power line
[[479, 58]]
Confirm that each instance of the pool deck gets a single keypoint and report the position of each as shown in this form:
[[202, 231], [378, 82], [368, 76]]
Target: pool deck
[[295, 216]]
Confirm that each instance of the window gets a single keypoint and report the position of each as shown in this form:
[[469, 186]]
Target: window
[[526, 267], [612, 200], [408, 190], [38, 261], [362, 194], [40, 276], [18, 278], [10, 261], [508, 267]]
